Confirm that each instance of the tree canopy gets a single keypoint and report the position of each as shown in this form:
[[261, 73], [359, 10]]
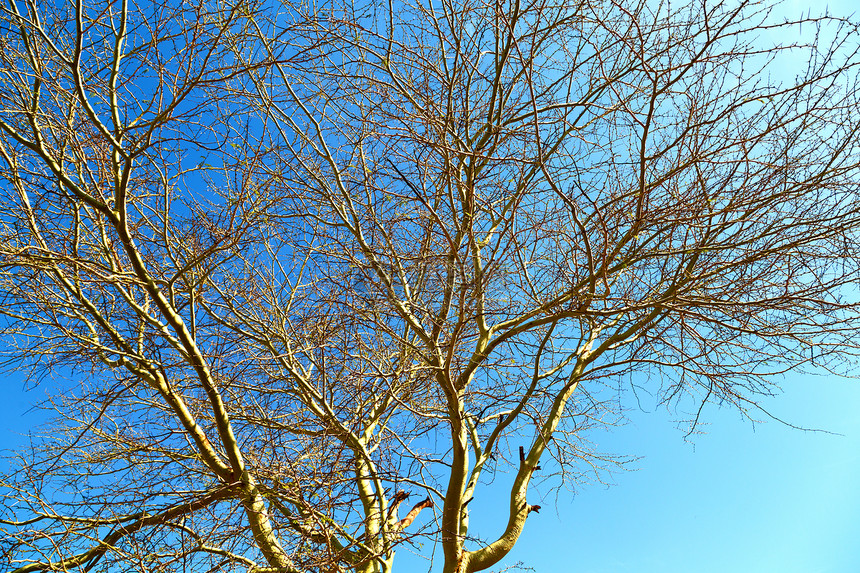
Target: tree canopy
[[315, 273]]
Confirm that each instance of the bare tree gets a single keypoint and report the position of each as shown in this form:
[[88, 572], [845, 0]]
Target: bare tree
[[296, 263]]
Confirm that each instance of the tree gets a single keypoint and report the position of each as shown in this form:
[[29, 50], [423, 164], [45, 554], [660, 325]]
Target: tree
[[299, 262]]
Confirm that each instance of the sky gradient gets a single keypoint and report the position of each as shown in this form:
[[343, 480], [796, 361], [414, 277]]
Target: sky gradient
[[739, 498]]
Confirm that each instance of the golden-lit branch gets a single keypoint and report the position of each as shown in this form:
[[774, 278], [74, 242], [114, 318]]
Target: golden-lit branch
[[285, 265]]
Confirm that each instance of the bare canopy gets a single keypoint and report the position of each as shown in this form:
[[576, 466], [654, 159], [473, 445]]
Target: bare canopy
[[306, 275]]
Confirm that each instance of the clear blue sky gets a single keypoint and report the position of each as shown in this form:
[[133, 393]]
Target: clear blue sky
[[744, 500], [738, 499]]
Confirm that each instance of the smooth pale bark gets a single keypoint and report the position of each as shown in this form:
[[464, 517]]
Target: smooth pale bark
[[433, 229]]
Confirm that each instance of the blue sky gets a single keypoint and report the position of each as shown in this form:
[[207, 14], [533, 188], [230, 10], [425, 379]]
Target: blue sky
[[738, 498]]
